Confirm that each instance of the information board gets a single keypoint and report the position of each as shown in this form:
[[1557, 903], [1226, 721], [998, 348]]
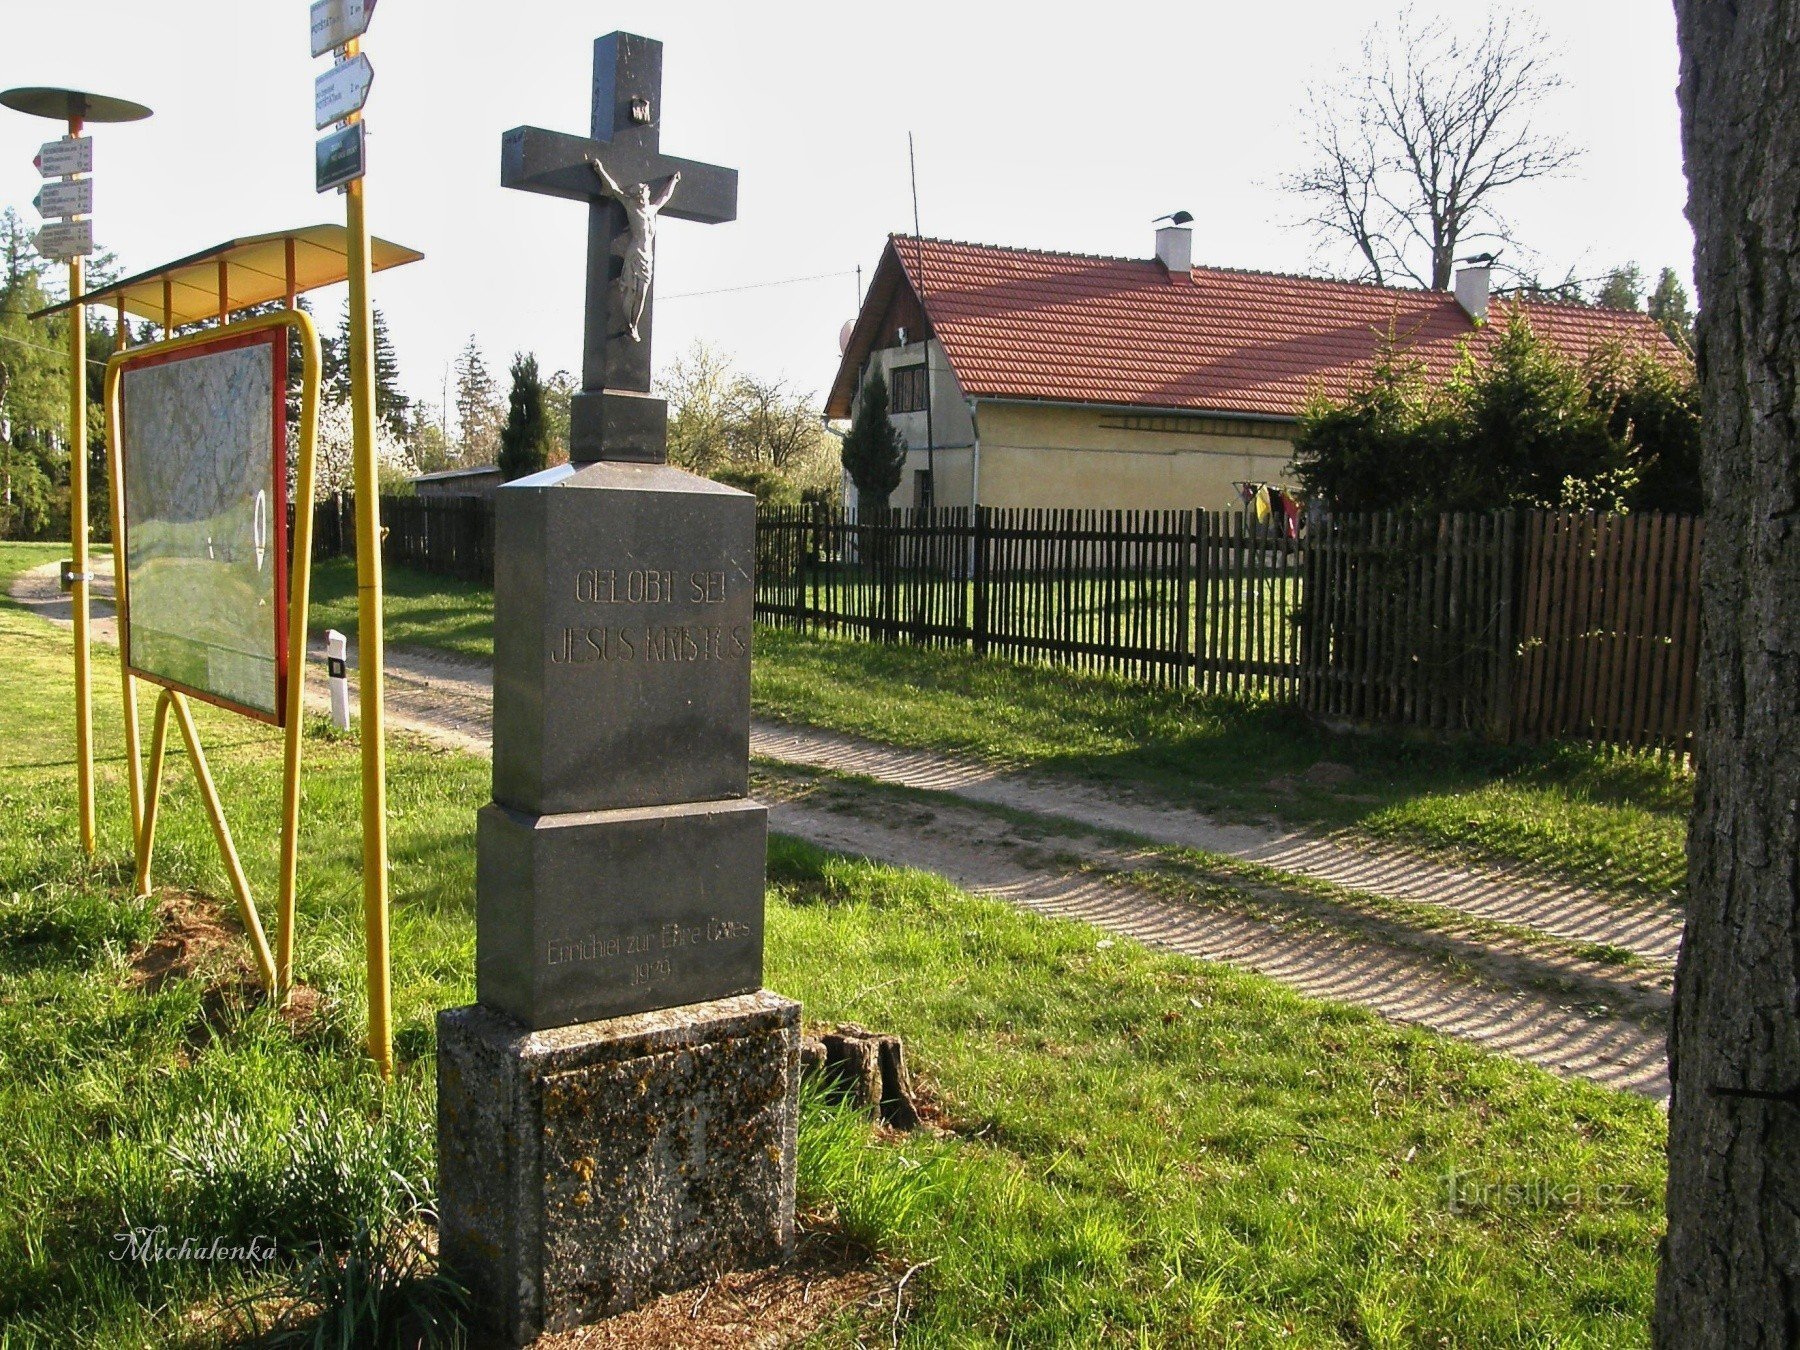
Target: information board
[[202, 439]]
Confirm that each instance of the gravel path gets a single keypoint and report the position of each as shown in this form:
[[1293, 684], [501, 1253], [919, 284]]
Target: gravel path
[[1616, 1041]]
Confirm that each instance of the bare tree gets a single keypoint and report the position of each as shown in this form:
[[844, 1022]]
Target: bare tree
[[1412, 147], [1730, 1274], [773, 424], [698, 385]]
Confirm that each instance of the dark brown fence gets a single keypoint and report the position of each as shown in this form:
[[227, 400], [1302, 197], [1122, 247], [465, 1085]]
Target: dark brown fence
[[1409, 619], [1161, 596], [451, 536], [1511, 626], [1609, 629]]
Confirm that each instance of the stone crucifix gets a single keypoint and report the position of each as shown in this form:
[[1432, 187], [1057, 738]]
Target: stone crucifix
[[621, 172]]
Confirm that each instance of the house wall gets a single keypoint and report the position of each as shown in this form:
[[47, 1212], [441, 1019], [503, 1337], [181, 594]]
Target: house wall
[[1051, 455], [952, 430]]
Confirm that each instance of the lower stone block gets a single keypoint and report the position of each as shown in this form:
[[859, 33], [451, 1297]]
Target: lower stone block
[[585, 1169]]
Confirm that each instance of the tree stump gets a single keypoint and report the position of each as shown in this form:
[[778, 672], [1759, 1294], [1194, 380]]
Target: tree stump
[[865, 1068]]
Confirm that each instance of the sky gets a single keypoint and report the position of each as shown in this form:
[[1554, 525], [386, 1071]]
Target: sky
[[1032, 127]]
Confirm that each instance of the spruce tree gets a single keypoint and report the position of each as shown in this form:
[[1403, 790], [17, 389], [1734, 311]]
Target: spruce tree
[[477, 407], [390, 403], [334, 369], [1669, 306], [525, 439], [874, 454]]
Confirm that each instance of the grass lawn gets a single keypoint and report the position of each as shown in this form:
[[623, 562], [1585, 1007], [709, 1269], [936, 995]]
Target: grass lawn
[[418, 610], [1145, 1149], [1608, 818]]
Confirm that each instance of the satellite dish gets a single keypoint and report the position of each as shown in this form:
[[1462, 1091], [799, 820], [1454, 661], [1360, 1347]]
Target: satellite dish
[[844, 335]]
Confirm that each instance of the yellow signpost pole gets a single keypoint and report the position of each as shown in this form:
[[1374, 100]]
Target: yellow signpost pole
[[367, 482], [78, 545]]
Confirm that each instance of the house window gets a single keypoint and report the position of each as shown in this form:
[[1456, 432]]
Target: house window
[[922, 494], [906, 389]]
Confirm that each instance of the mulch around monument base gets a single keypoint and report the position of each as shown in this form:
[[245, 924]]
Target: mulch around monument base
[[827, 1281]]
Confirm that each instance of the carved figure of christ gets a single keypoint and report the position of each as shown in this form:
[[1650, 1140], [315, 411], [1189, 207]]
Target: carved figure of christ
[[640, 257]]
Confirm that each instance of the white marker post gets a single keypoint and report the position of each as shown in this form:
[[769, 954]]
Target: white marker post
[[337, 676]]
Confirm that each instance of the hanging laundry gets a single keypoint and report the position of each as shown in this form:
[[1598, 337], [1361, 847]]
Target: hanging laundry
[[1265, 509], [1291, 509]]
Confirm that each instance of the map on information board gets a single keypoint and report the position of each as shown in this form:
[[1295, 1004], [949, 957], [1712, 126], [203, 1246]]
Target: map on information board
[[202, 442]]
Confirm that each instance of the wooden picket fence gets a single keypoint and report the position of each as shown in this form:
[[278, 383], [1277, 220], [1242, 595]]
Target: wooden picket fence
[[1409, 619], [1509, 626], [1609, 631], [1512, 626], [451, 536]]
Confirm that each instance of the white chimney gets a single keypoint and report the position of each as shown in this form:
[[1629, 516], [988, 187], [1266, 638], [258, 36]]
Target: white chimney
[[1472, 291], [1175, 249]]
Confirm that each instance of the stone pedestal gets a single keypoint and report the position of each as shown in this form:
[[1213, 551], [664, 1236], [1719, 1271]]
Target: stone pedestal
[[587, 1168]]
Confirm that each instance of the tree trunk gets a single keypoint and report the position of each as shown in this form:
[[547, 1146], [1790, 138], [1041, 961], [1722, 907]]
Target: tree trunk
[[1730, 1272]]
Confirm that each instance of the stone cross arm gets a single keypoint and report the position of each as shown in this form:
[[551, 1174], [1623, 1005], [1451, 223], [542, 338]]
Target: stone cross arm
[[555, 164]]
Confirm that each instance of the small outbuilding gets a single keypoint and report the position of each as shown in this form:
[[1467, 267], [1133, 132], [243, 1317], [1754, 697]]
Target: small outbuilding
[[480, 480]]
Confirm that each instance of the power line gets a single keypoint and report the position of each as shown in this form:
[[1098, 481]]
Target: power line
[[54, 351], [759, 285]]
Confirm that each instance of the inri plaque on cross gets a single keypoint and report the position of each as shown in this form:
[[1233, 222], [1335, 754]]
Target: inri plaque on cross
[[628, 183]]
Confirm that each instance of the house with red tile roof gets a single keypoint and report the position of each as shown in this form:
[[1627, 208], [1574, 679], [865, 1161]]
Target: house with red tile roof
[[1025, 378]]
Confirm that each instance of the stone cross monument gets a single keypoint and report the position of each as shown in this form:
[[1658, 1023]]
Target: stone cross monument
[[616, 1113]]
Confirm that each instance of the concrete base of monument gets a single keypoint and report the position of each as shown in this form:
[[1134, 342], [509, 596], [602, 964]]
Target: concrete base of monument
[[585, 1169]]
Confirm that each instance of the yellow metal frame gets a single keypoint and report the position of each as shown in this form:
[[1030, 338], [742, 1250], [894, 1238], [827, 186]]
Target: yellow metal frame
[[277, 967]]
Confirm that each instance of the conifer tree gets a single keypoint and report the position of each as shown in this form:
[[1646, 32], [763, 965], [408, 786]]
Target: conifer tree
[[1669, 306], [525, 439], [874, 454], [477, 407], [390, 403]]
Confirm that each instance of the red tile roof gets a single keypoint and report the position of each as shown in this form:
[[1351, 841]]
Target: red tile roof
[[1020, 323]]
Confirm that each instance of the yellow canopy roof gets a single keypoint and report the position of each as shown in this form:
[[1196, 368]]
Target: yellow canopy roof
[[255, 272]]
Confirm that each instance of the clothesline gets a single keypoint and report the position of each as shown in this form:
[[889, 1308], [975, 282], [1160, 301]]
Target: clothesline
[[1275, 507]]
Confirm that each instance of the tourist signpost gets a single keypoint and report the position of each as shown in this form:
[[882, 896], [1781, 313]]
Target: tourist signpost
[[71, 241], [338, 95], [616, 1114]]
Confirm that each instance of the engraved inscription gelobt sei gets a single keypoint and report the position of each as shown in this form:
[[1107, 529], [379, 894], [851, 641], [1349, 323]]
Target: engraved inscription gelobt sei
[[582, 644]]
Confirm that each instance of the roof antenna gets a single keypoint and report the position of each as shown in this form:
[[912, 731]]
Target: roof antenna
[[912, 168]]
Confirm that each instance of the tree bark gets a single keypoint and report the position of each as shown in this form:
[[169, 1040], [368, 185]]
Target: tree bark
[[1730, 1273]]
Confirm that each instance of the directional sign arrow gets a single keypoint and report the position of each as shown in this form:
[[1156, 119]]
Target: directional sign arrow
[[73, 197], [71, 154], [340, 91], [335, 22], [66, 239]]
